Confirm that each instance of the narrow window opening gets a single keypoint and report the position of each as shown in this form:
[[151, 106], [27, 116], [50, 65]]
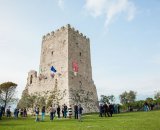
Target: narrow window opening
[[80, 83], [31, 79]]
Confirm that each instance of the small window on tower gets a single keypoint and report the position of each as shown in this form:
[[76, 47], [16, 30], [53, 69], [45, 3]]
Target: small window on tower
[[80, 53], [31, 79], [80, 83], [52, 52]]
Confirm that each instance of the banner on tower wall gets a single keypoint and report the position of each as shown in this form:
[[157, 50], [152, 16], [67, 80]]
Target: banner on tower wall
[[53, 71], [75, 67]]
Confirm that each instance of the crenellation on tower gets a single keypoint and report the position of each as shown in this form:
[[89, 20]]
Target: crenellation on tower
[[68, 26], [73, 29], [48, 34], [81, 34], [63, 28], [57, 31], [52, 33], [88, 39], [77, 31]]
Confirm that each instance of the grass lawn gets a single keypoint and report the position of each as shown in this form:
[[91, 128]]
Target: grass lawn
[[125, 121]]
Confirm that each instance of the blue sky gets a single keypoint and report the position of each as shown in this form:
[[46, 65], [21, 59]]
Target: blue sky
[[124, 35]]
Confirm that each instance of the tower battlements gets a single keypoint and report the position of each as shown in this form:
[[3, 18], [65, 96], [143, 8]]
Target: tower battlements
[[63, 28]]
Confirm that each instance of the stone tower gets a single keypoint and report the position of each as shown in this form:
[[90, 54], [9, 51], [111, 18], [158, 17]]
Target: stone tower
[[68, 51]]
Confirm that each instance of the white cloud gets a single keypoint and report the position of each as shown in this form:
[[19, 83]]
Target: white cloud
[[95, 7], [111, 9], [61, 4]]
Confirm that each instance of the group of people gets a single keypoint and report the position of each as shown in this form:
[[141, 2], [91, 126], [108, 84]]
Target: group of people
[[22, 112], [53, 110], [148, 106], [108, 110], [2, 112]]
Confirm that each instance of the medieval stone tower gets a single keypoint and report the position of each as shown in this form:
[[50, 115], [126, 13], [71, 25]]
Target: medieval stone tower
[[67, 51]]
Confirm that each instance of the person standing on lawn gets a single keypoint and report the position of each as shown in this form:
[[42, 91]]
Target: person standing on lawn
[[65, 111], [80, 109], [58, 111], [70, 111], [43, 113], [37, 114], [51, 112], [76, 111]]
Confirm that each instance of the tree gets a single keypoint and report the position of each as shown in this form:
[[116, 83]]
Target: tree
[[104, 99], [131, 96], [26, 101], [138, 104], [157, 95], [124, 97], [107, 99], [149, 100], [41, 101], [0, 95], [127, 97], [7, 92]]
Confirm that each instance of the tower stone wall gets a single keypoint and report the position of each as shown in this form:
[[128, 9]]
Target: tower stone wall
[[61, 49]]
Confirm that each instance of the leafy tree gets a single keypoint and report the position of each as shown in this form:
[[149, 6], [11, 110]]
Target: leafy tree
[[7, 92], [41, 101], [157, 95], [149, 100], [111, 98], [0, 95], [124, 97], [23, 101], [131, 96], [49, 101], [26, 100], [158, 101], [138, 104], [107, 99], [127, 97], [104, 99]]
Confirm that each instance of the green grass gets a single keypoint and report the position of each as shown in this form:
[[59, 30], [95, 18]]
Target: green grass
[[125, 121]]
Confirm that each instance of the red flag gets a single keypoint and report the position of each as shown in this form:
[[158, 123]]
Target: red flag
[[75, 66]]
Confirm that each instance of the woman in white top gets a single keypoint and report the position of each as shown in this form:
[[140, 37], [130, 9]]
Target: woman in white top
[[70, 111]]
